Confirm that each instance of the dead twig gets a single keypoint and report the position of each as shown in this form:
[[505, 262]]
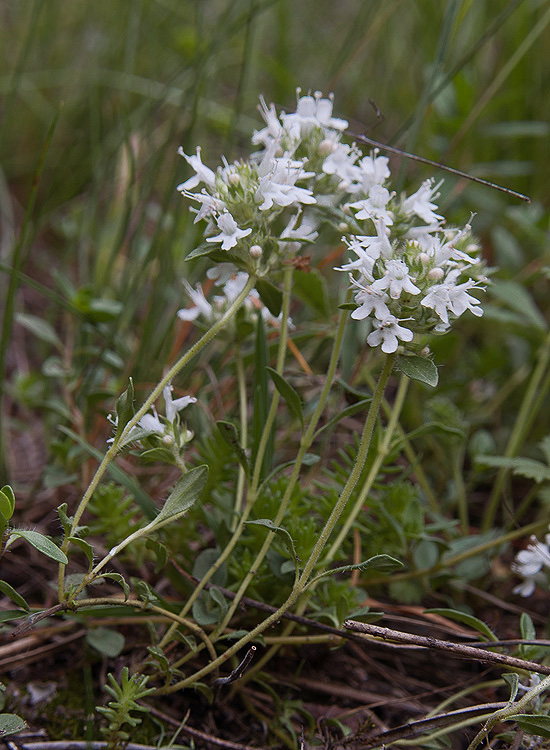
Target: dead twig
[[454, 649]]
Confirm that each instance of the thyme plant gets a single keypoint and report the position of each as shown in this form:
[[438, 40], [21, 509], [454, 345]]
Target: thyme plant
[[405, 276]]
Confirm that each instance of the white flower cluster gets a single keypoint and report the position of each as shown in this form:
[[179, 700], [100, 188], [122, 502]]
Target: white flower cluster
[[531, 563], [411, 274]]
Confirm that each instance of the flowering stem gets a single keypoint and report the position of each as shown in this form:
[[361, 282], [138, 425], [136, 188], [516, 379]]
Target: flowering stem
[[382, 452], [155, 393], [252, 492], [534, 393], [287, 285], [300, 585], [305, 444], [241, 385], [362, 454]]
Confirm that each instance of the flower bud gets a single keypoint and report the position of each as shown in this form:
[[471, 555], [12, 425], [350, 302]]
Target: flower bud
[[327, 147], [256, 251], [436, 274]]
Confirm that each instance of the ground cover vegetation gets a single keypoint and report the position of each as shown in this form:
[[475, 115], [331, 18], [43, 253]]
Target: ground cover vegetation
[[274, 439]]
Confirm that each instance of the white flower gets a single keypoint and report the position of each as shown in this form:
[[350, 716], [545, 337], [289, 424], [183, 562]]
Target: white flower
[[201, 305], [341, 163], [230, 233], [152, 423], [173, 406], [277, 182], [369, 300], [374, 207], [419, 203], [305, 232], [210, 204], [368, 249], [452, 297], [221, 273], [312, 111], [529, 564], [386, 334], [374, 170], [396, 279], [203, 173], [274, 129]]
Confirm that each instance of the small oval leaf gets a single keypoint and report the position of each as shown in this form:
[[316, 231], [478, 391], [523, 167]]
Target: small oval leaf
[[10, 724], [108, 642], [41, 543], [419, 368]]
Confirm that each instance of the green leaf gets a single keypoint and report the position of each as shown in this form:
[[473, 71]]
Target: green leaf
[[517, 298], [207, 609], [535, 724], [39, 328], [41, 543], [215, 254], [11, 614], [425, 554], [419, 368], [288, 393], [310, 288], [125, 408], [185, 494], [287, 539], [108, 642], [270, 296], [527, 627], [66, 522], [512, 680], [10, 724], [7, 502], [117, 578], [8, 590], [231, 436], [466, 619], [348, 306], [160, 552], [84, 547], [524, 467], [204, 561], [382, 563]]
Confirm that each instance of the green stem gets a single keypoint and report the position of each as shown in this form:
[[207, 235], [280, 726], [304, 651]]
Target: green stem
[[353, 478], [518, 707], [301, 584], [266, 432], [523, 422], [305, 445], [172, 372], [243, 420], [382, 453], [252, 493]]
